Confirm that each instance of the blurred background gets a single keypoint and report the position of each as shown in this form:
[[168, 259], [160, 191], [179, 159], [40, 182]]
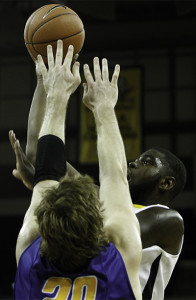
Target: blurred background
[[155, 44]]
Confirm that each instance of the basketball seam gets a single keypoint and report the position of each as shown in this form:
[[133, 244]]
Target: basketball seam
[[32, 44], [32, 19], [49, 21], [64, 38], [51, 9]]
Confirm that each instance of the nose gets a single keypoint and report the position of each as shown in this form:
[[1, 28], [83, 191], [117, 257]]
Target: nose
[[132, 164]]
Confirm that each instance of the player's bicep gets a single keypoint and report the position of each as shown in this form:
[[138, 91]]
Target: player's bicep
[[120, 222], [122, 227], [30, 229], [28, 233], [124, 232]]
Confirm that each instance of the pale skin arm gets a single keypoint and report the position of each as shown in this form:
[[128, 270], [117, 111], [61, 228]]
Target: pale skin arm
[[36, 115], [25, 161], [60, 81], [121, 225]]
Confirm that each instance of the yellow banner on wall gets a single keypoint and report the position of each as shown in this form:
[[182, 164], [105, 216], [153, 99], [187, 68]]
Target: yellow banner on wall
[[128, 112]]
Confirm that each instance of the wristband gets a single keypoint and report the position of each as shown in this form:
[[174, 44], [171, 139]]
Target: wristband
[[50, 159]]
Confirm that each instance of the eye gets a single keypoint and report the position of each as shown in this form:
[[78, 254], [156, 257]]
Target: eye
[[146, 162]]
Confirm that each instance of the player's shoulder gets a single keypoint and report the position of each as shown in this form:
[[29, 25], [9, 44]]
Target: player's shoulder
[[162, 212], [165, 214], [161, 226]]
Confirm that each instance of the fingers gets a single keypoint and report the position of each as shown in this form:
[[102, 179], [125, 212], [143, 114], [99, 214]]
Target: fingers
[[97, 70], [76, 70], [59, 53], [17, 150], [38, 71], [41, 65], [101, 74], [69, 57], [15, 145], [14, 142], [16, 174], [75, 57], [105, 72], [50, 56], [87, 74], [68, 61], [115, 75], [12, 138]]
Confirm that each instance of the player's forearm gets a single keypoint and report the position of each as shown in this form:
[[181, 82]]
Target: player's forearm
[[55, 115], [35, 120], [110, 145]]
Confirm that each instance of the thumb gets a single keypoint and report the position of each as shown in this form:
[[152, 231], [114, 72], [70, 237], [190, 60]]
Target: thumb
[[16, 174]]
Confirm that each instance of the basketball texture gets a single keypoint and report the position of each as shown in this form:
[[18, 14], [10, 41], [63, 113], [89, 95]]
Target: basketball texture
[[50, 23]]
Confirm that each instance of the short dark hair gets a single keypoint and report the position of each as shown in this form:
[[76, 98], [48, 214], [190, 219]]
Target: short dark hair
[[70, 223], [175, 168]]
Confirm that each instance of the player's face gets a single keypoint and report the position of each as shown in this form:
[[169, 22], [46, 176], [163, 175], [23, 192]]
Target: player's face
[[147, 169]]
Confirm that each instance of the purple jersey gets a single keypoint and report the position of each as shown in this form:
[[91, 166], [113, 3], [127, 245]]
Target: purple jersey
[[105, 278]]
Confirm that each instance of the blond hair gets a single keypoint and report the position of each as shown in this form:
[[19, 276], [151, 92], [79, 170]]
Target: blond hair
[[70, 223]]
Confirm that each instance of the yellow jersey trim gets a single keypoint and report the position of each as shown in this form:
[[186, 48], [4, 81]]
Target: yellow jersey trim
[[138, 206]]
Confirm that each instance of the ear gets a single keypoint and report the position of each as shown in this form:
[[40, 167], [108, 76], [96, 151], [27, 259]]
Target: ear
[[167, 183]]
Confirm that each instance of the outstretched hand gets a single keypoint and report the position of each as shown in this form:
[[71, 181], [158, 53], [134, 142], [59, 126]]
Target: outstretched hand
[[24, 169], [100, 91], [61, 76], [38, 67]]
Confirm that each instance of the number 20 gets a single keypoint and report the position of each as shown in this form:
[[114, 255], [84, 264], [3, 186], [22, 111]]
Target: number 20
[[65, 285]]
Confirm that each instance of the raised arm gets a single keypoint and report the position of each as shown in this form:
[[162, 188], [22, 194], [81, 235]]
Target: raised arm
[[60, 81], [121, 225], [25, 160], [36, 115], [35, 118]]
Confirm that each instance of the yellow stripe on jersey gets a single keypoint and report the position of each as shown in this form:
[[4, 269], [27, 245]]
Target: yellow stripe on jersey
[[138, 206]]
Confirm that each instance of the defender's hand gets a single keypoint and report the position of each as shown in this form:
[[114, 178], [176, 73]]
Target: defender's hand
[[24, 169], [60, 77], [100, 91]]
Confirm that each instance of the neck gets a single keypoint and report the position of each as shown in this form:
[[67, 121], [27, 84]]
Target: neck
[[149, 198]]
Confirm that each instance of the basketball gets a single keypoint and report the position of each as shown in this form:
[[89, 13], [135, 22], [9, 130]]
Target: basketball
[[51, 23]]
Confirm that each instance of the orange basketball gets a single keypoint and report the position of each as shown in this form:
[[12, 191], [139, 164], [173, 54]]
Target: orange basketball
[[50, 23]]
